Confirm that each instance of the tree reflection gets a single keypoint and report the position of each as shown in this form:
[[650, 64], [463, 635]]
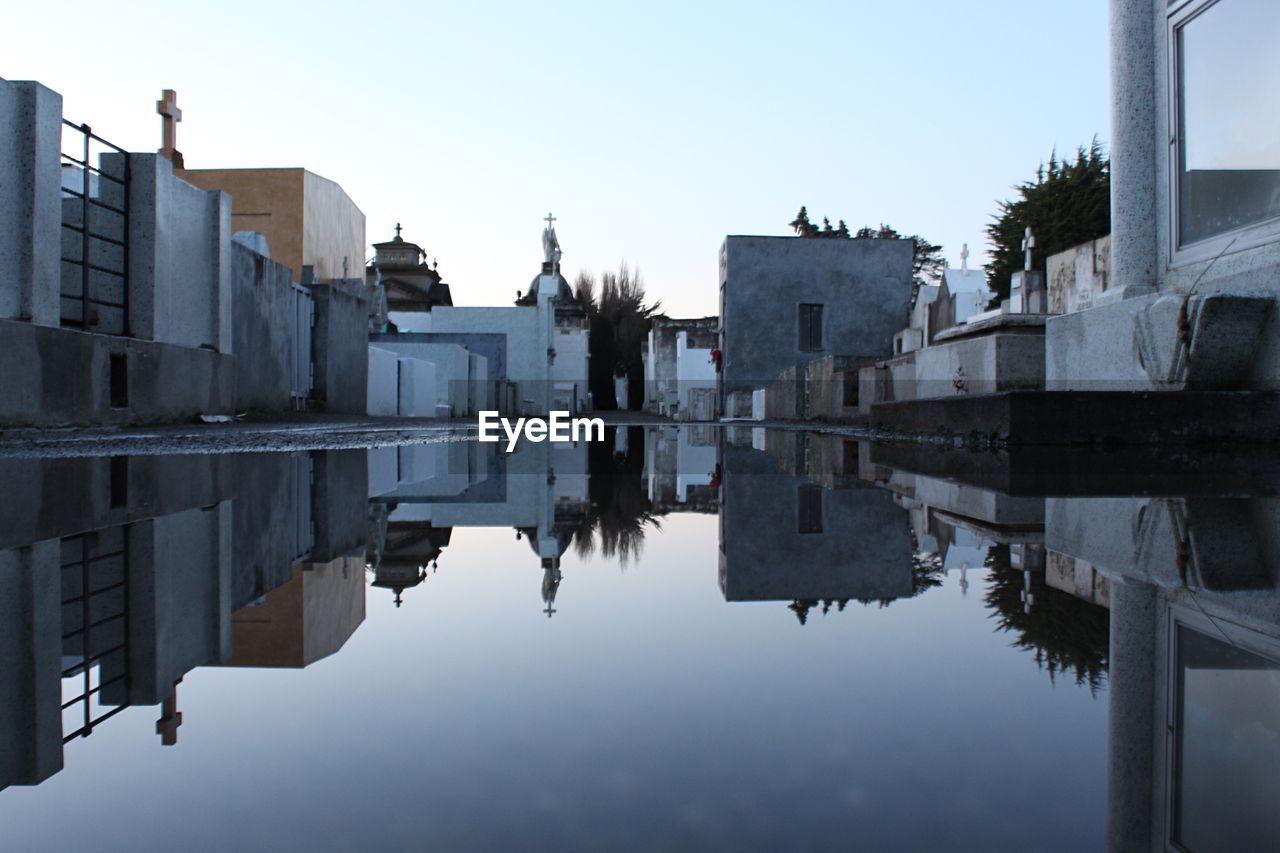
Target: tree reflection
[[618, 508], [1066, 634], [926, 573]]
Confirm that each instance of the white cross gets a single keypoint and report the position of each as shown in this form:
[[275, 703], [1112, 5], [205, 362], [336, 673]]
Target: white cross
[[964, 258], [550, 219], [1028, 243]]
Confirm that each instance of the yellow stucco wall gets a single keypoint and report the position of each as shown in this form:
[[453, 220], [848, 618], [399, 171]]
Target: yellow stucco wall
[[306, 218]]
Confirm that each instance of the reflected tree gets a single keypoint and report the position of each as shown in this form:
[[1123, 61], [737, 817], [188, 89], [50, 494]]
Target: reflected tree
[[618, 510], [926, 573], [1065, 633]]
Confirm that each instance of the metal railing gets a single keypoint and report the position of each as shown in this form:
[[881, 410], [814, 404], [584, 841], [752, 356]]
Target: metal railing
[[95, 232], [95, 607]]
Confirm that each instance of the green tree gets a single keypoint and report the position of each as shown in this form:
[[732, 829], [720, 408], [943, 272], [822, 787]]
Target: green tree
[[1067, 204], [802, 226]]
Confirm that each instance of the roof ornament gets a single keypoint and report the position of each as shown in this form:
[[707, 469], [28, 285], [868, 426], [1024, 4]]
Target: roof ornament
[[550, 245]]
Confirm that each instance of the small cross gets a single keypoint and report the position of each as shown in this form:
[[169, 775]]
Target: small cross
[[397, 229], [550, 219], [1028, 243], [964, 258], [170, 718], [170, 115]]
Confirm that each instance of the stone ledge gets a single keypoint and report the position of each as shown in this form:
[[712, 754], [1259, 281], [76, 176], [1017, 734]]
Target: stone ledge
[[1025, 324]]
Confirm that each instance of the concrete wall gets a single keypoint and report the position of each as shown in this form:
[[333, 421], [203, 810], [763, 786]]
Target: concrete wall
[[340, 347], [864, 287], [30, 662], [262, 323], [863, 550], [679, 358], [452, 370], [417, 388], [983, 364], [67, 378], [307, 219], [833, 388], [30, 210], [383, 378], [1077, 278], [333, 229], [265, 200], [179, 258]]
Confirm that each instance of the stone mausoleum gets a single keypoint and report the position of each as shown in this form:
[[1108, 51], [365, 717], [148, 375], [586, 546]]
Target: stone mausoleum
[[1195, 211], [789, 301]]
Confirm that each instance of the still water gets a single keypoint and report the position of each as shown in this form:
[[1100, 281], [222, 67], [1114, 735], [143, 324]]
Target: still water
[[676, 639]]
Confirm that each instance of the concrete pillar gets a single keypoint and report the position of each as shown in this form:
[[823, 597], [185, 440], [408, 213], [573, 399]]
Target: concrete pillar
[[30, 663], [221, 215], [143, 238], [1134, 137], [30, 203], [1132, 728]]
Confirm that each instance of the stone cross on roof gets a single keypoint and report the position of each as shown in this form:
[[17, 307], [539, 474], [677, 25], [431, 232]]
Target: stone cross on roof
[[549, 220], [170, 115], [1028, 243], [964, 257], [397, 230]]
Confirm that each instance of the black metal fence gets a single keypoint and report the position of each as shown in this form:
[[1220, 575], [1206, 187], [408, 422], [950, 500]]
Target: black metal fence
[[95, 232], [95, 619]]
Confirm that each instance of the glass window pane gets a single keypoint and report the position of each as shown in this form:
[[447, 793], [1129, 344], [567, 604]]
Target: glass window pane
[[1229, 120], [1228, 747]]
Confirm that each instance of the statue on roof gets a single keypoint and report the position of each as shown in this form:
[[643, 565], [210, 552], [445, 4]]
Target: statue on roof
[[550, 243]]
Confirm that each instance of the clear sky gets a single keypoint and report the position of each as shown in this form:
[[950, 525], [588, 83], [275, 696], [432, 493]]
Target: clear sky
[[651, 130]]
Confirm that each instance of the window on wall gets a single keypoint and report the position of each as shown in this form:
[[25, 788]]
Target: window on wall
[[1226, 134], [809, 518], [810, 327]]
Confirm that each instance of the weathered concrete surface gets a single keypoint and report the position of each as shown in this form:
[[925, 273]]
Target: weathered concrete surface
[[62, 376], [978, 365], [1078, 277], [340, 509], [864, 287], [30, 663], [340, 348], [64, 497], [861, 549], [30, 210], [678, 361], [262, 323], [179, 258], [1134, 345]]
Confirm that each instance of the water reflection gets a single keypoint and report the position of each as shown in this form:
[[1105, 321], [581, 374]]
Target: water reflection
[[1152, 593]]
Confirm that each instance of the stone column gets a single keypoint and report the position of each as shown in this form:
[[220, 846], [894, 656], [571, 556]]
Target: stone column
[[1132, 729], [1134, 137], [30, 663], [30, 203]]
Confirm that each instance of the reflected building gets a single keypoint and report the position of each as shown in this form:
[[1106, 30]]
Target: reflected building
[[784, 537], [680, 469], [118, 576], [1194, 661], [418, 493]]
